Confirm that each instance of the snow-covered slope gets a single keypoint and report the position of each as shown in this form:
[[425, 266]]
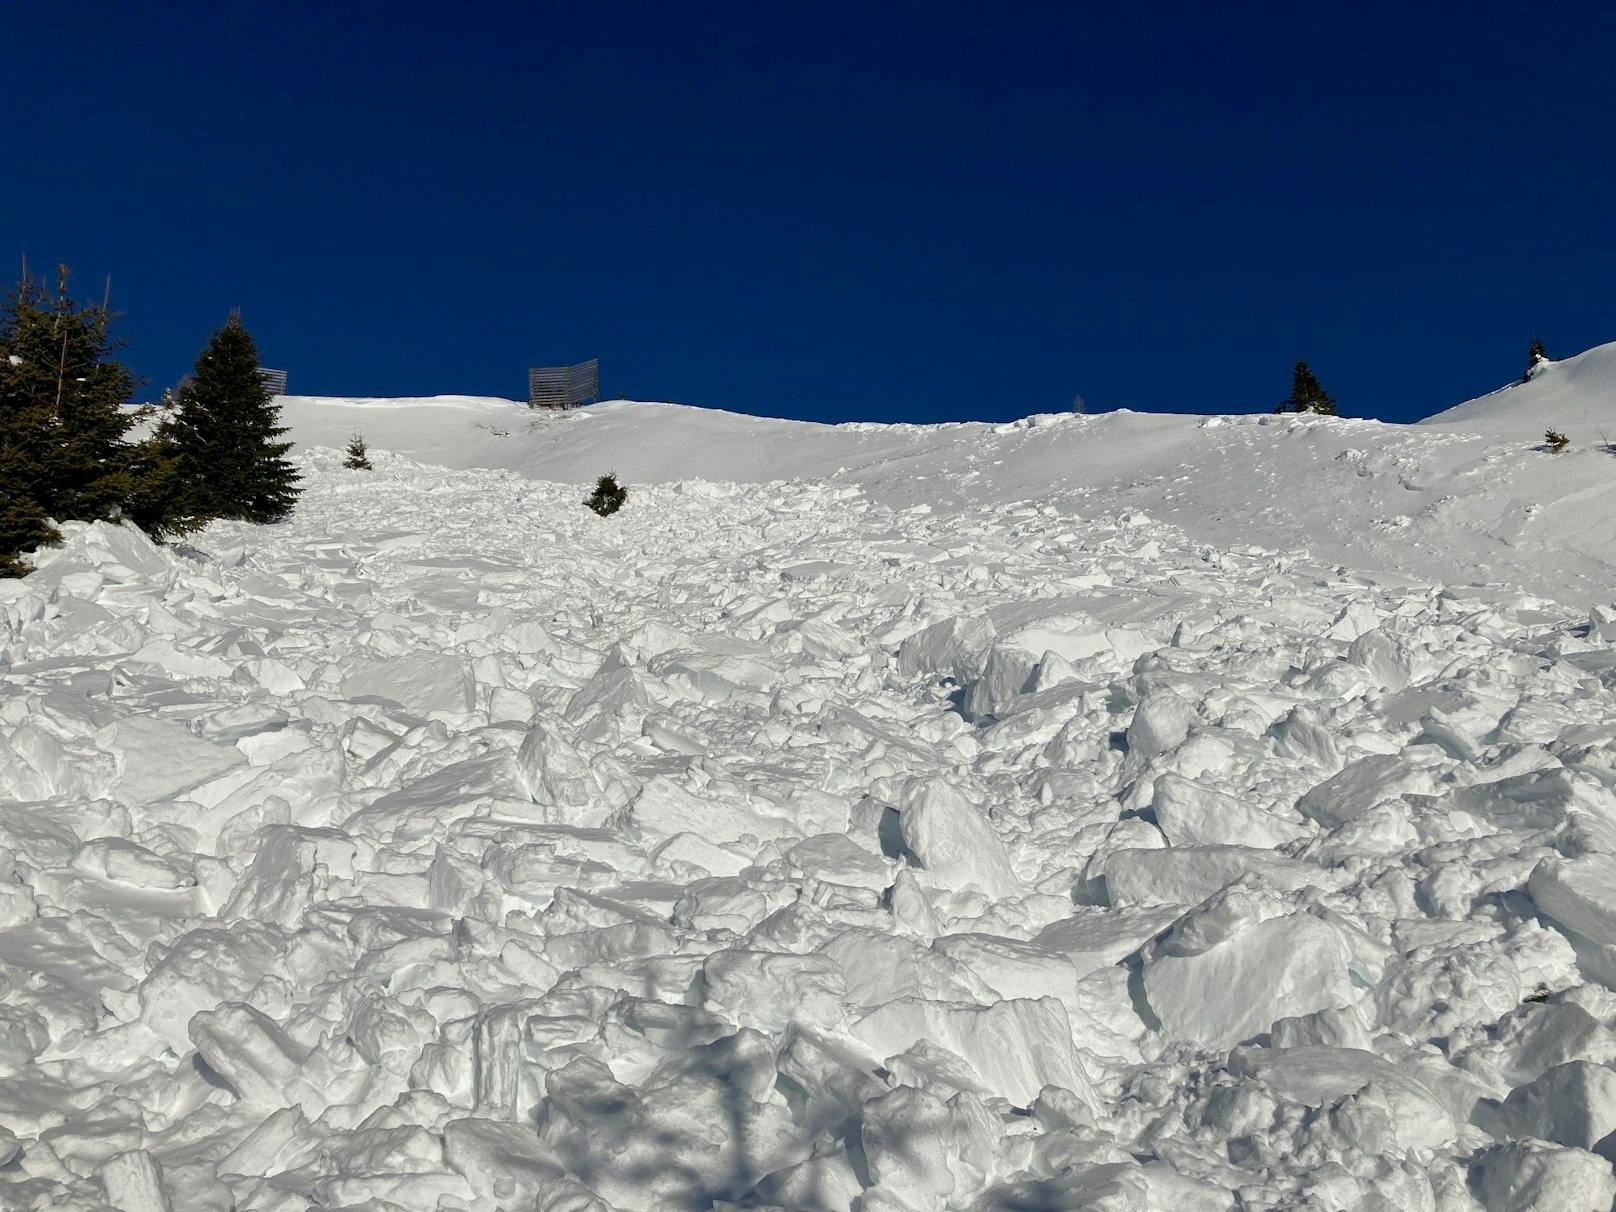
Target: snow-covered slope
[[1072, 814], [1467, 500], [1577, 396], [448, 847]]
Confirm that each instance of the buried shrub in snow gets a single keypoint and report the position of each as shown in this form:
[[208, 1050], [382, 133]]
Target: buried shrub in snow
[[608, 496], [1535, 357], [1554, 441], [357, 459]]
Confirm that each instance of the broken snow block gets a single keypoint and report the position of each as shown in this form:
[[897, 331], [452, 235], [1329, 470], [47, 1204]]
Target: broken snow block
[[1533, 1176], [1339, 1027], [919, 1147], [1016, 1047], [716, 677], [158, 760], [1572, 1104], [1283, 967], [503, 1162], [1095, 939], [1008, 672], [767, 990], [1318, 1077], [1192, 814], [951, 837], [1536, 800], [1359, 787], [419, 683], [134, 1182], [121, 552], [952, 648], [201, 969], [1160, 723], [1579, 893], [556, 773], [1187, 875], [1536, 1037], [663, 808], [836, 858], [249, 1050]]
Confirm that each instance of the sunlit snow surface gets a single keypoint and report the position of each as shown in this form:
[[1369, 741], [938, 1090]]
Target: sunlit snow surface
[[448, 847]]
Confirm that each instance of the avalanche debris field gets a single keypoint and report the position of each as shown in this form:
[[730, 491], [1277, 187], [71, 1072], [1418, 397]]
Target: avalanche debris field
[[447, 847]]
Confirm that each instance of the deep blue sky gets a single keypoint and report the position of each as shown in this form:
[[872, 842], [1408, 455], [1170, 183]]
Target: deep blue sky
[[887, 211]]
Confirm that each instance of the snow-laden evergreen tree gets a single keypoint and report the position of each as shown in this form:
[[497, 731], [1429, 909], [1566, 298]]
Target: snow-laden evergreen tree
[[63, 415], [224, 440], [357, 458], [1535, 357], [1307, 395], [608, 496], [23, 524]]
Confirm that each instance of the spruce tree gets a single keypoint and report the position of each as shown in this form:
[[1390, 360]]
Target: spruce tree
[[357, 459], [153, 476], [228, 461], [63, 417], [1307, 395]]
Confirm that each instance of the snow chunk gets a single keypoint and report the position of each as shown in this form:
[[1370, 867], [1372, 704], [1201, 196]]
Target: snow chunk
[[1187, 875], [1579, 893], [1316, 1077], [1531, 1176], [1361, 786], [768, 990], [249, 1050], [663, 808], [1191, 813], [952, 648], [1016, 1047], [120, 552], [134, 1182], [1571, 1104], [1160, 723], [1279, 968], [956, 846], [1538, 799], [1098, 939], [158, 760], [556, 773], [200, 970], [419, 683]]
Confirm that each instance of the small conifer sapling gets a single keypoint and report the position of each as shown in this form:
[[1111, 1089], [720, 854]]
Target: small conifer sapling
[[1554, 441], [357, 458], [1535, 357], [608, 496]]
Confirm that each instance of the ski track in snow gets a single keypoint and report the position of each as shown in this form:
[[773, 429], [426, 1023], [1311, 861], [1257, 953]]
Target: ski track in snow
[[448, 847]]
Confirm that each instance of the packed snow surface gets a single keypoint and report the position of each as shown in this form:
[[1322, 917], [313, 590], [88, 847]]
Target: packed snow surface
[[798, 845], [1466, 499]]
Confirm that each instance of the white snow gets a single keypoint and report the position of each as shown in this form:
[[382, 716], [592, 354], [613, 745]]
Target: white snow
[[1464, 499], [1108, 812]]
